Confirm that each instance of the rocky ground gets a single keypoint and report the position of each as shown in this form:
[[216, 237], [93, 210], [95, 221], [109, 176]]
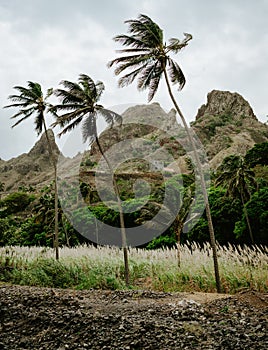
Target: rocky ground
[[43, 318]]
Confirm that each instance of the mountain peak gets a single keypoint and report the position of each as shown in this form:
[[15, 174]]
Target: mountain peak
[[226, 102], [41, 147]]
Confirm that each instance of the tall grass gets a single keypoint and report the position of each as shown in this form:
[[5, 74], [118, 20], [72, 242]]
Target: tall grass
[[89, 267]]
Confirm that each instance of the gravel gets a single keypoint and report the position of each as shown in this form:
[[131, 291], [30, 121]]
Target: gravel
[[44, 318]]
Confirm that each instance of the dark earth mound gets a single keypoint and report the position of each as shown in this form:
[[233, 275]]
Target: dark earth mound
[[43, 318]]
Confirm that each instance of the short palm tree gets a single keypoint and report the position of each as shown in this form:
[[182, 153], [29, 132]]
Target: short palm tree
[[79, 101], [147, 58], [32, 103], [238, 180]]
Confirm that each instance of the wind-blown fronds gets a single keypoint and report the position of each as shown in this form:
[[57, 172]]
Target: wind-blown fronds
[[148, 56], [79, 101]]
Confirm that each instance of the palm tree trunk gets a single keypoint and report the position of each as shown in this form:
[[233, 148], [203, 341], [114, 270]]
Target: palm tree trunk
[[66, 233], [203, 185], [247, 219], [178, 229], [121, 216], [56, 214]]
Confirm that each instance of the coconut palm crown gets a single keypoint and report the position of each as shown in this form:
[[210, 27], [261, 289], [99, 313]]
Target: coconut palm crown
[[148, 56], [31, 102], [236, 177], [79, 101]]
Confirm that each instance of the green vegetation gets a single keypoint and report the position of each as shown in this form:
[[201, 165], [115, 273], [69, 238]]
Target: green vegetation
[[212, 122], [27, 218], [237, 202], [88, 267]]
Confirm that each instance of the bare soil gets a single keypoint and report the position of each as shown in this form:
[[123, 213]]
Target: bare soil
[[45, 318]]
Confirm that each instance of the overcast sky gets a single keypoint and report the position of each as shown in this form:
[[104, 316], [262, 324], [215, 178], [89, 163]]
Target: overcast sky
[[49, 40]]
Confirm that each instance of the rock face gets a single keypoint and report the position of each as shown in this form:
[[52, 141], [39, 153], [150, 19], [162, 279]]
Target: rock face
[[34, 168], [152, 113], [227, 125], [224, 102], [41, 146], [148, 126]]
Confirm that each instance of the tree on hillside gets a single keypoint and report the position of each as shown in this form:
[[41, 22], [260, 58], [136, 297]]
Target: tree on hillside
[[79, 101], [238, 180], [32, 103], [257, 211], [147, 58], [257, 155]]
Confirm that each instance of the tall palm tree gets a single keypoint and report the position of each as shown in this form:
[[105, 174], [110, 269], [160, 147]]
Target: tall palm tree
[[80, 103], [32, 103], [238, 180], [147, 58]]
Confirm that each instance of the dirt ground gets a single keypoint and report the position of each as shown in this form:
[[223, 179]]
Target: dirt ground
[[44, 318]]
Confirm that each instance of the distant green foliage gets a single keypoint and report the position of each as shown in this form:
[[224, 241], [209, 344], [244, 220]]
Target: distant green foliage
[[225, 212], [163, 241], [257, 209], [27, 219], [258, 155], [212, 122], [88, 162], [16, 202]]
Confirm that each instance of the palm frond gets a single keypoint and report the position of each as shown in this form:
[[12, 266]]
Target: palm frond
[[69, 96], [35, 89], [24, 92], [22, 104], [175, 45], [99, 89], [128, 61], [175, 73], [154, 83], [147, 74], [127, 40], [89, 128], [67, 107], [138, 62], [39, 123], [109, 116], [130, 77], [66, 118], [70, 85], [26, 114], [49, 93], [146, 30], [71, 126], [145, 50]]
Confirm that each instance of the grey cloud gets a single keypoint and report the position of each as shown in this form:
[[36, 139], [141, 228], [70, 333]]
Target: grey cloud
[[47, 41]]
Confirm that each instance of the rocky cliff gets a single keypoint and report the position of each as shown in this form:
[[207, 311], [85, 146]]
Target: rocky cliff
[[33, 168], [225, 125]]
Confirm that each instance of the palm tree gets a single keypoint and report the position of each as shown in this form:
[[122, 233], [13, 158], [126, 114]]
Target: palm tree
[[147, 59], [80, 103], [32, 103], [238, 180]]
